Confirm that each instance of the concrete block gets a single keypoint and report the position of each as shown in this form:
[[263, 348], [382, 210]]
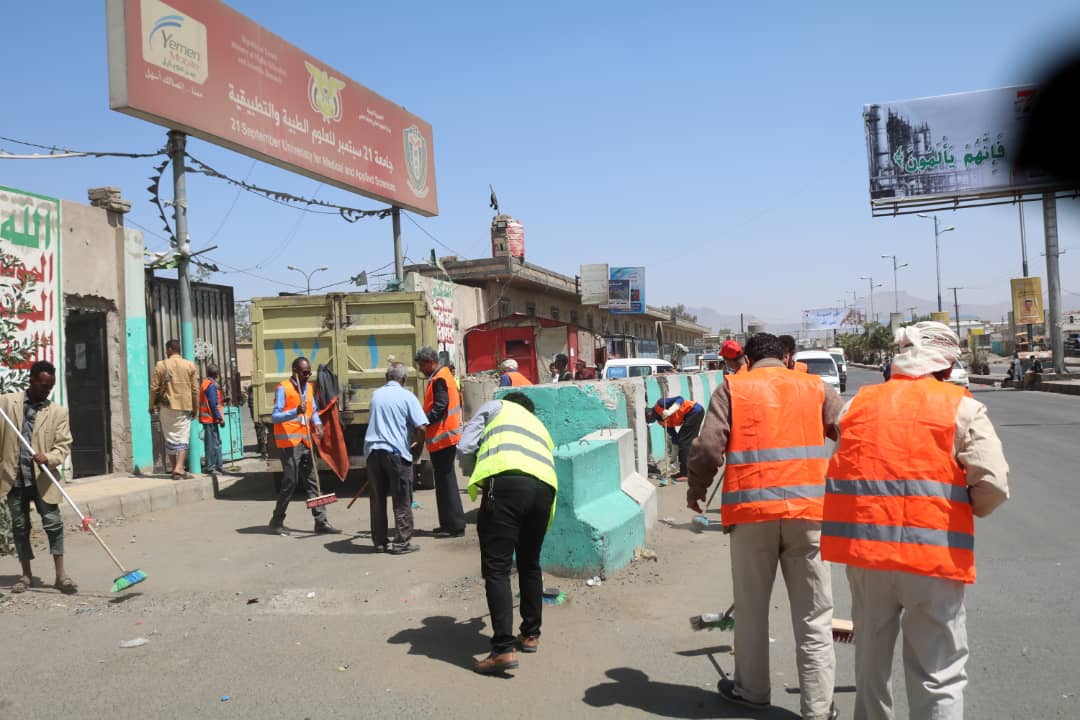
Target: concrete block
[[596, 527], [634, 485], [572, 410], [135, 503], [162, 497]]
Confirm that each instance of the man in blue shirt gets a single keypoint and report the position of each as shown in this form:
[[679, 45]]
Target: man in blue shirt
[[396, 426]]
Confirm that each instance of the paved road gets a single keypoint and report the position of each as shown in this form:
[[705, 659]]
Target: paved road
[[391, 637]]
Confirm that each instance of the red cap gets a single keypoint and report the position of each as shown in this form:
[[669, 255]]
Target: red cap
[[731, 349]]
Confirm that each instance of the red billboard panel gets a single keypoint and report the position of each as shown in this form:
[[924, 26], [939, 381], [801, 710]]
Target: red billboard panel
[[201, 67]]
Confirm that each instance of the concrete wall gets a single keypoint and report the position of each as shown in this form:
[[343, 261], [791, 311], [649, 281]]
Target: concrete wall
[[468, 308]]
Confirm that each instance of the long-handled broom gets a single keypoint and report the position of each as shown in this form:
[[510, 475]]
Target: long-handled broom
[[129, 577], [843, 631], [320, 499]]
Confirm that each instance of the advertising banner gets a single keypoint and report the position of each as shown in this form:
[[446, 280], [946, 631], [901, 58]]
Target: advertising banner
[[947, 146], [201, 67], [1027, 300], [626, 290], [941, 316], [31, 300], [594, 284], [830, 318]]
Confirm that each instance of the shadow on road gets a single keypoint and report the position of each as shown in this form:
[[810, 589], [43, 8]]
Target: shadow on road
[[441, 637], [633, 688], [349, 546]]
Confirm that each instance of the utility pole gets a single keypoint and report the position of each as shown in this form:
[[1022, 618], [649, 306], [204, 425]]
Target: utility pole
[[399, 261], [937, 252], [177, 146], [895, 286], [1024, 262], [912, 310], [873, 317], [1053, 282], [956, 308]]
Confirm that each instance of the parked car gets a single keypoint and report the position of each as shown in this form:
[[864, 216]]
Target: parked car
[[959, 375], [821, 363], [841, 365], [620, 368]]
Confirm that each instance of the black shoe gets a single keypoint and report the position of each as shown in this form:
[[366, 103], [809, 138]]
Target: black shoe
[[276, 528], [404, 549], [326, 529], [727, 691], [440, 533], [381, 548]]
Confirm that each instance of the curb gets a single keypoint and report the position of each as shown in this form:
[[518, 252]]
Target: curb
[[1057, 387], [145, 496]]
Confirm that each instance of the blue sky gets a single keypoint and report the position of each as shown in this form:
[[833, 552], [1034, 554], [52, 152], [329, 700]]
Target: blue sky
[[718, 144]]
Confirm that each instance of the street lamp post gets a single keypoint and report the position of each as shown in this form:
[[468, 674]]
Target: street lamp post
[[937, 252], [872, 286], [307, 275], [895, 287]]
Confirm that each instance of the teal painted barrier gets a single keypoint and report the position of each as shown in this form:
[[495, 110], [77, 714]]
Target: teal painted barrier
[[571, 411], [596, 527], [657, 434], [232, 435], [138, 373]]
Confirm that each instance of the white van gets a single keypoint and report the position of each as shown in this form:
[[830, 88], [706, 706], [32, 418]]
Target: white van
[[820, 362], [620, 368]]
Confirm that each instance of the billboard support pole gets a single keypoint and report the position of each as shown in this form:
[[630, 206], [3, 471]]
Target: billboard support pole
[[399, 263], [1024, 260], [1053, 281], [177, 146]]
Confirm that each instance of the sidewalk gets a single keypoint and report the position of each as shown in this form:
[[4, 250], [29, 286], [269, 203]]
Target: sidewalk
[[1063, 387]]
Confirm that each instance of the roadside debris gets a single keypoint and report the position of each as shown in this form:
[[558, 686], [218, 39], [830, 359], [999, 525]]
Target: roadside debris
[[134, 643], [594, 581]]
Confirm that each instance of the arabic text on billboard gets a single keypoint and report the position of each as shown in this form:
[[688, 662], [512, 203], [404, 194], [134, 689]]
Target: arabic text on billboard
[[31, 311], [951, 145], [830, 318], [626, 290], [202, 67]]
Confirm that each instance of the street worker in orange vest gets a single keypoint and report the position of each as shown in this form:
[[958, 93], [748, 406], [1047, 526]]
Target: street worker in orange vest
[[211, 407], [918, 460], [511, 377], [442, 403], [682, 418], [768, 426], [734, 358], [296, 421], [789, 354]]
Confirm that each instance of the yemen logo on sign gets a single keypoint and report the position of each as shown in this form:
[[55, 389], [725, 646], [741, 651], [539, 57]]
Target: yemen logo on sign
[[323, 93], [173, 41], [416, 161]]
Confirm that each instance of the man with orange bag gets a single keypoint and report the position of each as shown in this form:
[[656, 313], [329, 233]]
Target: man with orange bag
[[768, 426], [918, 460], [442, 404]]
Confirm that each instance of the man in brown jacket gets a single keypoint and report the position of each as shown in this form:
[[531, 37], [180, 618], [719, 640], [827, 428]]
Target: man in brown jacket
[[174, 395], [45, 425]]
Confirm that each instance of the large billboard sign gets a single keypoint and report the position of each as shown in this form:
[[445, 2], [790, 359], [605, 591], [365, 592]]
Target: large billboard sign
[[201, 67], [31, 300], [830, 318], [1027, 300], [951, 146], [594, 284], [626, 290]]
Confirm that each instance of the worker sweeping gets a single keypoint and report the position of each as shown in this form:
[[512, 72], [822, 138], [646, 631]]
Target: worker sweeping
[[767, 428], [682, 419], [918, 460], [44, 425]]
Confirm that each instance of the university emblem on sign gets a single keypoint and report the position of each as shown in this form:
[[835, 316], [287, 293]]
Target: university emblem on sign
[[416, 161], [323, 93]]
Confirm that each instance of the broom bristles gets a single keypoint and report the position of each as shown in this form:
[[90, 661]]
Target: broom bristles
[[321, 500], [134, 577]]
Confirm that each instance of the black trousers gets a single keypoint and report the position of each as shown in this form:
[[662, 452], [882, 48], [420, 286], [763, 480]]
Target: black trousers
[[513, 519], [389, 475], [447, 493], [297, 465], [687, 432]]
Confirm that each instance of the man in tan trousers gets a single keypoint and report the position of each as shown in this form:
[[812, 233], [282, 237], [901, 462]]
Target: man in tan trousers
[[768, 426], [174, 395]]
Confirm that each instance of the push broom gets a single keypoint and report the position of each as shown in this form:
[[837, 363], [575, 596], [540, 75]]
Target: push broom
[[129, 577]]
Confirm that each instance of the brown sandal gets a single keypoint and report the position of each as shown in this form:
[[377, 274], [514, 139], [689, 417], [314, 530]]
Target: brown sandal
[[66, 585], [22, 584]]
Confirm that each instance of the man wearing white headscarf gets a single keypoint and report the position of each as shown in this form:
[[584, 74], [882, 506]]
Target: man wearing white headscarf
[[917, 461]]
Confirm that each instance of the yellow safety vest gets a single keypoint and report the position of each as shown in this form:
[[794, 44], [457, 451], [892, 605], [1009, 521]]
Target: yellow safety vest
[[515, 441]]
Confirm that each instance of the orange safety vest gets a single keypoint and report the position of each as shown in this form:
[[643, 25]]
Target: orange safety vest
[[293, 432], [897, 499], [676, 418], [800, 366], [776, 453], [517, 379], [205, 416], [447, 431]]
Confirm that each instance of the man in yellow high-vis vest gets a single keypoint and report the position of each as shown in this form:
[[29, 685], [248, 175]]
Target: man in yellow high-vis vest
[[506, 451]]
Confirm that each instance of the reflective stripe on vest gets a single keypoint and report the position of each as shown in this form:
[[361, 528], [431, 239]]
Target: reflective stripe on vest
[[293, 432], [776, 452], [446, 432], [896, 498], [514, 441], [205, 416]]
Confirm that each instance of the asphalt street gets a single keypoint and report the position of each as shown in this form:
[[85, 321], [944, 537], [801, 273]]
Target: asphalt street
[[242, 624]]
